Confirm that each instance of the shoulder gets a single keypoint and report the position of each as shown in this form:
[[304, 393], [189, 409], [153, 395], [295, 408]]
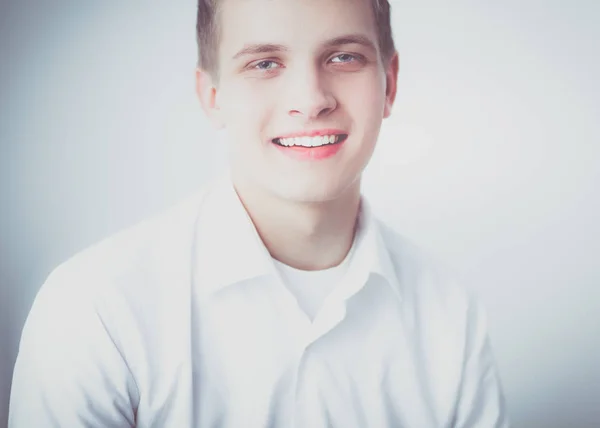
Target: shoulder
[[113, 306], [127, 292], [125, 279], [431, 286], [442, 311], [138, 250], [447, 323]]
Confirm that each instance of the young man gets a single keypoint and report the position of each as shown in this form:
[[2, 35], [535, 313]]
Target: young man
[[273, 298]]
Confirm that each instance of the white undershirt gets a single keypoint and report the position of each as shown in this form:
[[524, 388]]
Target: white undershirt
[[311, 288]]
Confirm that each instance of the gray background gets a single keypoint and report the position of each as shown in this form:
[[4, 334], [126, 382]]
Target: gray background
[[490, 161]]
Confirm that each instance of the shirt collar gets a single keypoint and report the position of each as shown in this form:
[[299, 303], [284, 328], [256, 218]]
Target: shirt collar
[[229, 249], [371, 255]]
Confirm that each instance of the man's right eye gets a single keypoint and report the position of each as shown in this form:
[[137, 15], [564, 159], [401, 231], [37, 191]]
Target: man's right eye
[[265, 65]]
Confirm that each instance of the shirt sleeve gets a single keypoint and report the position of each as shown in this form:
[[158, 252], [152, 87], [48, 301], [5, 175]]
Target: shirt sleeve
[[481, 403], [68, 372]]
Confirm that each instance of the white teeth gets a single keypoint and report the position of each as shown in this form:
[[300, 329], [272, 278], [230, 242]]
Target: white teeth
[[309, 141]]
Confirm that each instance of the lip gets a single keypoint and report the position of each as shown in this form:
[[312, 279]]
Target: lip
[[312, 133], [301, 153]]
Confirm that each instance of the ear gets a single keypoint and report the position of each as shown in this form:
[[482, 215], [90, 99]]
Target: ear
[[391, 84], [206, 90]]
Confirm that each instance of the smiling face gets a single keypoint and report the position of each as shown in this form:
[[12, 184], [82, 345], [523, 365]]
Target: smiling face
[[299, 67]]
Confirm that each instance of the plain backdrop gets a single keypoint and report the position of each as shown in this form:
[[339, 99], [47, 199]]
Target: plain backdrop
[[490, 162]]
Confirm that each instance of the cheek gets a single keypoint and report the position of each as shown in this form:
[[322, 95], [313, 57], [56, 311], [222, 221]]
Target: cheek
[[236, 103], [374, 96], [363, 90], [245, 110], [247, 116], [365, 101]]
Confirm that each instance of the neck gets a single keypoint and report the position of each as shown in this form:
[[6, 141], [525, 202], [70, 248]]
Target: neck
[[307, 236]]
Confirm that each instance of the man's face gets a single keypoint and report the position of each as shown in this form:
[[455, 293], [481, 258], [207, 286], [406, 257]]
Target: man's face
[[282, 74]]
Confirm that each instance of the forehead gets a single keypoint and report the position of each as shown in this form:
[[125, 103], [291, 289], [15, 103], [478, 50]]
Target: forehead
[[295, 23]]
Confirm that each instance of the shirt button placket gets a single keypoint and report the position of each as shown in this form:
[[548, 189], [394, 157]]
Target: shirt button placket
[[299, 370]]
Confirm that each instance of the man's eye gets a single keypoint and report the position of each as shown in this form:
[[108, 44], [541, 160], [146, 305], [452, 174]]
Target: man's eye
[[266, 65], [344, 58]]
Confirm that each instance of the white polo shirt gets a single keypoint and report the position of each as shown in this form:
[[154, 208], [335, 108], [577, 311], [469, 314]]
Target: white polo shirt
[[183, 321]]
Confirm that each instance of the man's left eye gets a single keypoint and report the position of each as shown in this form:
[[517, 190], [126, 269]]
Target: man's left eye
[[343, 58]]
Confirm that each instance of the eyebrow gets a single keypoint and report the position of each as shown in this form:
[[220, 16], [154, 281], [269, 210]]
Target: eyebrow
[[259, 48], [349, 39]]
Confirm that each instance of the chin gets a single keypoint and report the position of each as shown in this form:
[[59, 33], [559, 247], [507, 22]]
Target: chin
[[325, 190]]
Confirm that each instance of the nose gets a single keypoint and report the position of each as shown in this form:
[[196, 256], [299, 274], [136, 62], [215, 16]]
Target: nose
[[311, 96]]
